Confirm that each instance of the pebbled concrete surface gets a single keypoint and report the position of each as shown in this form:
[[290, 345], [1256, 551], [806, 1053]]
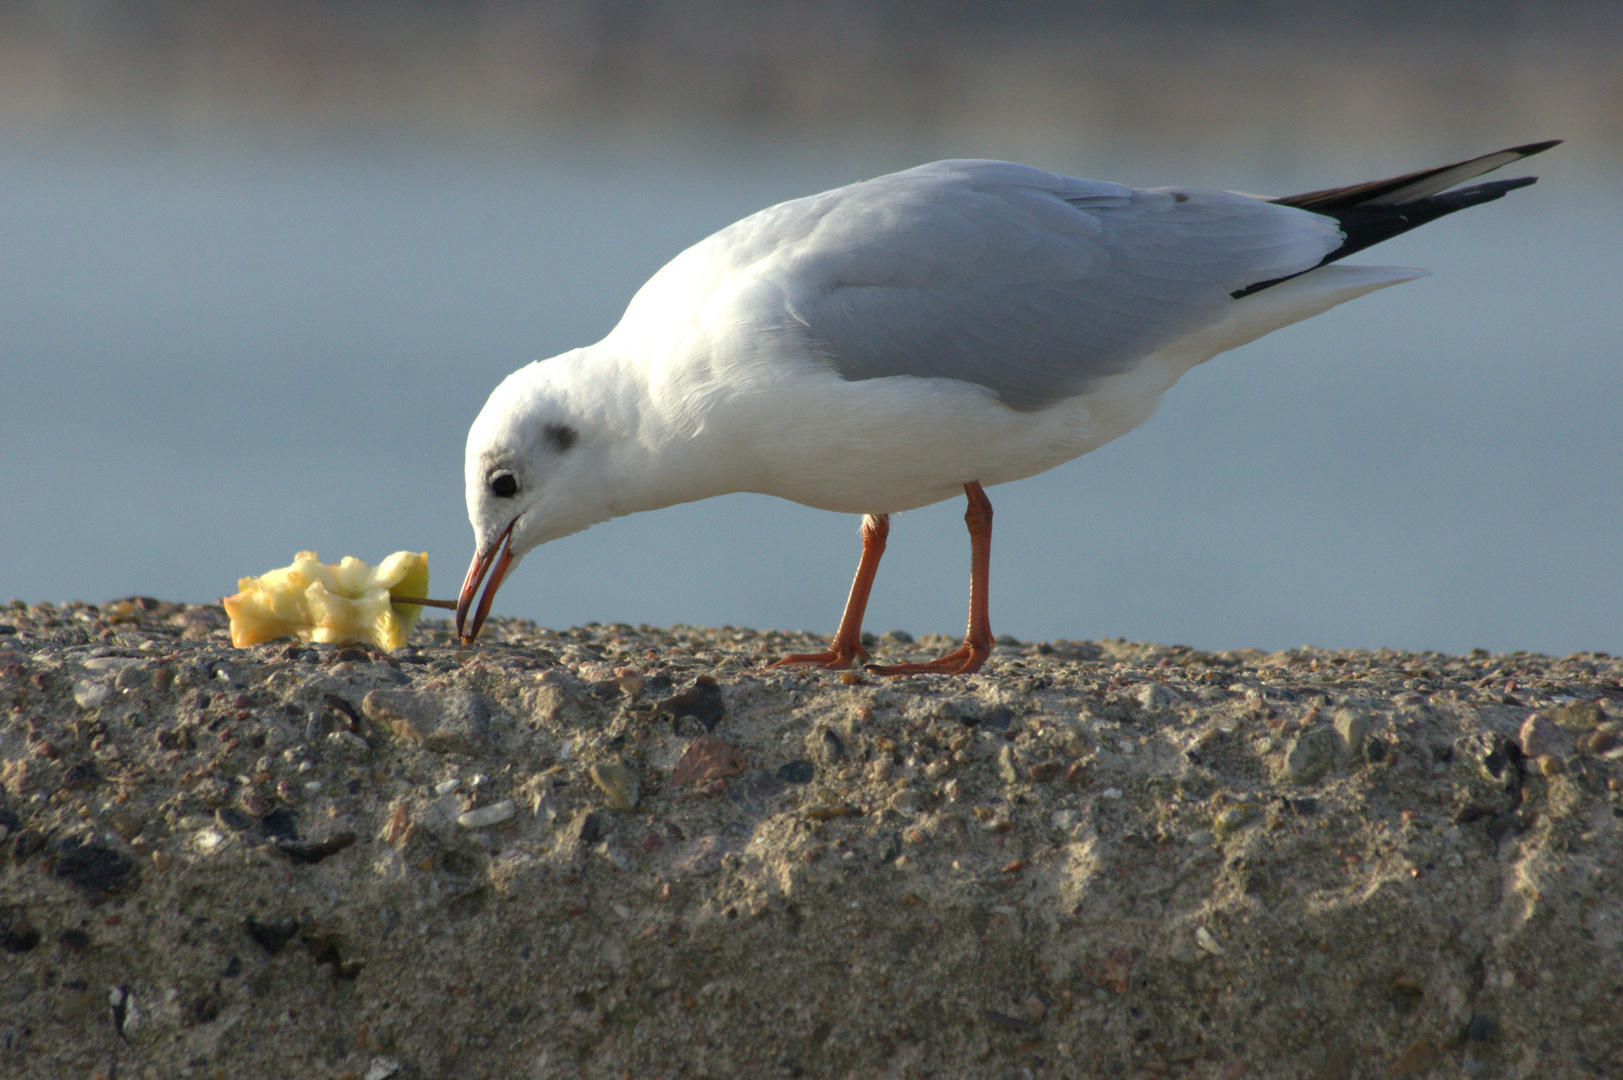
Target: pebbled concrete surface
[[621, 851]]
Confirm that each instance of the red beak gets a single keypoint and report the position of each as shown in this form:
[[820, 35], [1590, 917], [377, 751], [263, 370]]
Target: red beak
[[499, 555]]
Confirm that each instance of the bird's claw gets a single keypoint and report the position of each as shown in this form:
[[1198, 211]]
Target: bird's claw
[[964, 660], [828, 660]]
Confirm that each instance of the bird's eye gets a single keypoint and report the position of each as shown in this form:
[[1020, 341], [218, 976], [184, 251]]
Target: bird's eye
[[504, 485]]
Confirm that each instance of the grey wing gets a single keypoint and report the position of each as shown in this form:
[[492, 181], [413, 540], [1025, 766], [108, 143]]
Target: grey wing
[[1030, 284]]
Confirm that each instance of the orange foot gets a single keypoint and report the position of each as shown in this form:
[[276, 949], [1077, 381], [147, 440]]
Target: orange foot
[[964, 660], [832, 659]]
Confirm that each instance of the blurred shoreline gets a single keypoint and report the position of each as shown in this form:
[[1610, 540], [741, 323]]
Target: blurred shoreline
[[1223, 79]]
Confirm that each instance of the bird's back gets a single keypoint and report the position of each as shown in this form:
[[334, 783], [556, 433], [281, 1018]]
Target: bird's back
[[1027, 283]]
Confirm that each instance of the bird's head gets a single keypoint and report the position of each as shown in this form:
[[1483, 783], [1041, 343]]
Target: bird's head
[[529, 471]]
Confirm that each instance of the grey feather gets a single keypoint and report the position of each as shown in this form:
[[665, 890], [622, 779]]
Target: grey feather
[[1028, 283]]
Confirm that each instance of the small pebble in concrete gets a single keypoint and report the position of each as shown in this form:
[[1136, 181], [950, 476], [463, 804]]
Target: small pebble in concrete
[[618, 785], [485, 816], [1353, 727], [1207, 943], [90, 694], [1231, 819], [1153, 696], [382, 1068], [707, 758], [1540, 737], [799, 771], [1007, 768], [1311, 754]]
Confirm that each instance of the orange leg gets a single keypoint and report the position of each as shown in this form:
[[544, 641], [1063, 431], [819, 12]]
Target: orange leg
[[847, 643], [977, 645]]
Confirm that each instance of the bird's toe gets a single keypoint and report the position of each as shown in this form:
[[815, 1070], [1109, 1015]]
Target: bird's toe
[[828, 660]]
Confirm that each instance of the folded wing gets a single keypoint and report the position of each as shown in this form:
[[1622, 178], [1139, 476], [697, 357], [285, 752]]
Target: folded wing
[[1035, 285], [1030, 284]]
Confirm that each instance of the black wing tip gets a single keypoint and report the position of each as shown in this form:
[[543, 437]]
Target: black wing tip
[[1333, 201], [1499, 187], [1366, 224], [1460, 198], [1533, 148], [1447, 202]]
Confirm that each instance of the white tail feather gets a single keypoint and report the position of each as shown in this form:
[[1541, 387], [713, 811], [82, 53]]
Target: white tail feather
[[1301, 297]]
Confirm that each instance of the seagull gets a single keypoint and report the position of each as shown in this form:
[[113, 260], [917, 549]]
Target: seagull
[[892, 343]]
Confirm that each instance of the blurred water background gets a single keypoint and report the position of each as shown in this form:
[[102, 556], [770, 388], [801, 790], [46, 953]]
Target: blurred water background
[[261, 263]]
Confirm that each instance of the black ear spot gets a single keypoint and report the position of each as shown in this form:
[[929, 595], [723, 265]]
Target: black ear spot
[[503, 484], [561, 436]]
